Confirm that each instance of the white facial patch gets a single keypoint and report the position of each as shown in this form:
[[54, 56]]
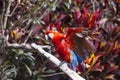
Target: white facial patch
[[51, 35]]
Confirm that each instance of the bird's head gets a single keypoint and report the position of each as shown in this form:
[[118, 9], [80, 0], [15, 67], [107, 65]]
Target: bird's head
[[54, 34], [50, 34]]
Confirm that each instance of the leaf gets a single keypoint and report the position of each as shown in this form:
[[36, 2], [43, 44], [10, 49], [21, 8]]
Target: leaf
[[102, 21], [28, 69], [96, 67], [10, 71], [90, 59], [60, 17], [109, 77], [50, 71], [67, 5], [94, 17], [14, 35], [93, 59], [77, 14], [39, 78], [26, 56], [111, 69], [54, 6]]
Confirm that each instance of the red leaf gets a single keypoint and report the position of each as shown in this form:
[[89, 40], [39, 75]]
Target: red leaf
[[111, 69], [93, 19]]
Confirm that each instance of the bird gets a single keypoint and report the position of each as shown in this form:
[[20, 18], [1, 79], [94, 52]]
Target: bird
[[64, 45]]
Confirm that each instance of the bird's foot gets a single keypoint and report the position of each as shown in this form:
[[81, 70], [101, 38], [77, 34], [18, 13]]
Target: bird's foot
[[61, 63]]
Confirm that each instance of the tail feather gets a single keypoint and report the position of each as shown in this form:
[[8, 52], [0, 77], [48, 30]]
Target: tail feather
[[75, 61], [79, 58]]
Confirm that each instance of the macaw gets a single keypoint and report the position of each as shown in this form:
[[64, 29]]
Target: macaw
[[64, 46]]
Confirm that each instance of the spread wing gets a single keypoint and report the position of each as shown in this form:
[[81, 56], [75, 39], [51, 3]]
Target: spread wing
[[83, 46], [80, 45]]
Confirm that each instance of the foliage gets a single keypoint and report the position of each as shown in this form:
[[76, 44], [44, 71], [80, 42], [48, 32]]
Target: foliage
[[25, 21]]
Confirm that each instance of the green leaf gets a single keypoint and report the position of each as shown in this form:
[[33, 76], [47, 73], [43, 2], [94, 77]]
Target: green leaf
[[9, 71], [39, 78], [67, 5], [28, 69], [70, 1]]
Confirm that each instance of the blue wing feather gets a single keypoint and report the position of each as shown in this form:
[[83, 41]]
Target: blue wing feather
[[79, 58], [75, 60]]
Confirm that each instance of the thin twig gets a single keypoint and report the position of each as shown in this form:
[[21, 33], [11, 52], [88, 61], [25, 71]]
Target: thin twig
[[28, 36], [48, 10], [38, 9], [44, 14], [93, 4], [40, 69], [2, 16], [7, 13], [16, 45], [14, 10]]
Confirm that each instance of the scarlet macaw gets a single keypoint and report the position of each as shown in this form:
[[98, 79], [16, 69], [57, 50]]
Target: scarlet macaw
[[64, 45]]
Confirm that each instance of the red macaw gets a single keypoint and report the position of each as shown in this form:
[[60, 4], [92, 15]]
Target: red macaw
[[64, 45]]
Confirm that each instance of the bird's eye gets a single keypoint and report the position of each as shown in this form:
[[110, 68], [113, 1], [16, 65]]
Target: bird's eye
[[49, 38]]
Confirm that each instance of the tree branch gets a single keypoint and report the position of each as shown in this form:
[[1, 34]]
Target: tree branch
[[7, 13], [52, 58], [16, 45], [63, 67]]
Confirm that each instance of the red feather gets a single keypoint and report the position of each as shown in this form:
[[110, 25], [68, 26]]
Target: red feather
[[63, 42], [60, 45]]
